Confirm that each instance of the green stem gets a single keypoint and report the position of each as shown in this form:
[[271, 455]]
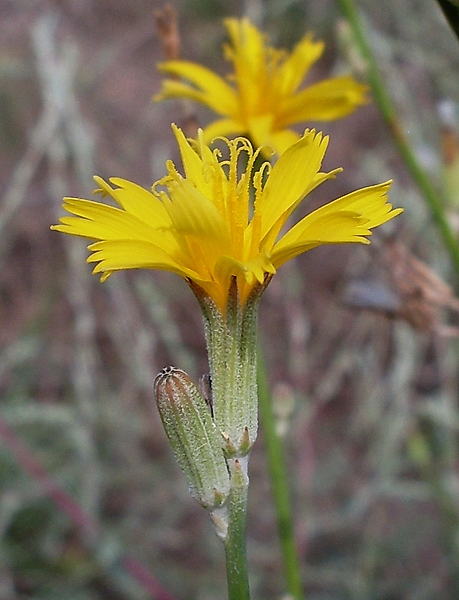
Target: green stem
[[235, 542], [386, 107], [231, 339], [279, 484]]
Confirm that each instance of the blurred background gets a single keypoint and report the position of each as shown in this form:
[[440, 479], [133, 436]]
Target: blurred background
[[360, 343]]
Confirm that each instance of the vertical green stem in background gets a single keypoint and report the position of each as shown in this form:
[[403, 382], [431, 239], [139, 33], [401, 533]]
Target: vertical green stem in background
[[279, 484], [389, 113], [235, 542]]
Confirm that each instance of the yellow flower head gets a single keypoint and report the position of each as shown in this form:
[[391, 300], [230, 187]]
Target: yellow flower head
[[262, 99], [202, 227]]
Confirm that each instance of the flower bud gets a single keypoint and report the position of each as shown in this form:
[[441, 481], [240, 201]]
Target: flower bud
[[193, 436]]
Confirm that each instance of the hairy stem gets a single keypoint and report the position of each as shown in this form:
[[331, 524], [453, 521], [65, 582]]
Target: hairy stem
[[235, 542]]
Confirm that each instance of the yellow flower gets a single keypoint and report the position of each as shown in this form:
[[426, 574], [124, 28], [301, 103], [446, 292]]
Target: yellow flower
[[202, 227], [262, 99]]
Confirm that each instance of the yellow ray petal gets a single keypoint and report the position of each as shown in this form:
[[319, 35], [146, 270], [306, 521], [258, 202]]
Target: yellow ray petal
[[114, 255], [251, 270], [99, 221], [323, 101], [201, 230], [297, 64], [223, 127], [248, 48], [211, 88], [179, 89], [192, 163], [280, 140], [290, 179], [136, 200], [194, 214], [371, 202], [259, 129], [347, 219], [338, 228]]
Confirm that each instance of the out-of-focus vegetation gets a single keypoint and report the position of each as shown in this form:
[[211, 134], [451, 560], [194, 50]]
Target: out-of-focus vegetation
[[92, 504]]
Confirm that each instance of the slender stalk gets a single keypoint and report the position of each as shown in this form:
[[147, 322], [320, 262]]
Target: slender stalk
[[235, 542], [279, 484], [386, 107]]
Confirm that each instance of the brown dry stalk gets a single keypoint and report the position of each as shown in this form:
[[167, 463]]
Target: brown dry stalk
[[167, 26]]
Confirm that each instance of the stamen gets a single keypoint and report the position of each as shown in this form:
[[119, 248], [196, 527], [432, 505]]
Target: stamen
[[238, 191], [166, 182], [260, 177]]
